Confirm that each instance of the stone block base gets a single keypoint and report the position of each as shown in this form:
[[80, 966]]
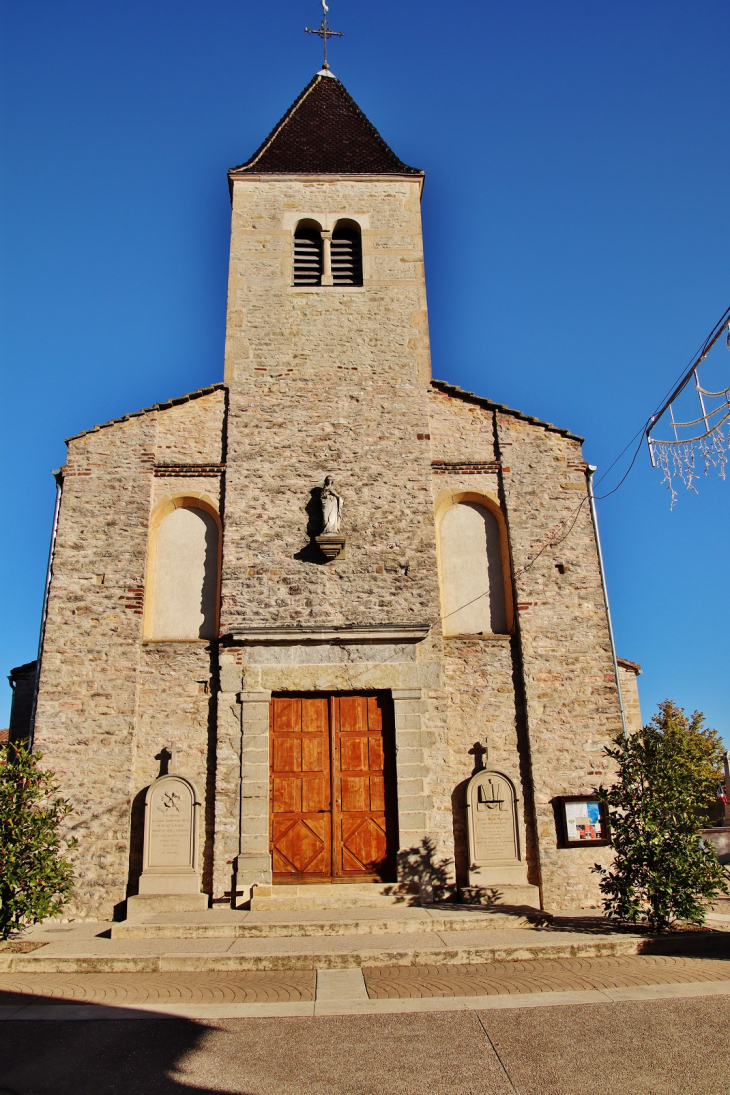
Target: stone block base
[[149, 904], [502, 896]]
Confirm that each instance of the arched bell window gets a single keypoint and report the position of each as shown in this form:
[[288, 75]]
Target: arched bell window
[[308, 254], [346, 250], [474, 597]]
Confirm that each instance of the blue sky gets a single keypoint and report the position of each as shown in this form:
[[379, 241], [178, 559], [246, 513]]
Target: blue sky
[[575, 216]]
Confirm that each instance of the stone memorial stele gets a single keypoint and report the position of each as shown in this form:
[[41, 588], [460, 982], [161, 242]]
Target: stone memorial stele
[[495, 857], [170, 877]]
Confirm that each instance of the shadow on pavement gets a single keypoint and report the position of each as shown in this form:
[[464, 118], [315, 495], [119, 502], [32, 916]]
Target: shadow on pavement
[[97, 1056]]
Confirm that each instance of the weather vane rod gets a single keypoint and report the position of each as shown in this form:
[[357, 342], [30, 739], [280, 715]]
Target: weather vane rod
[[324, 32]]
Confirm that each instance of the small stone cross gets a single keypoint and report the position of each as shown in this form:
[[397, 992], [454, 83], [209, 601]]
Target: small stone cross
[[167, 757]]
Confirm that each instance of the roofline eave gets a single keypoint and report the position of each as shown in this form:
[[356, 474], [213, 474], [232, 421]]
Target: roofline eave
[[237, 175], [471, 397]]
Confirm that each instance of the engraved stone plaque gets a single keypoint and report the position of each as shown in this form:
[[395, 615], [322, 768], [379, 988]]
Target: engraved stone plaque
[[494, 845], [170, 838]]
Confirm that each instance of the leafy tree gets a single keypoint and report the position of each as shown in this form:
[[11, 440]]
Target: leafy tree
[[665, 788], [35, 880]]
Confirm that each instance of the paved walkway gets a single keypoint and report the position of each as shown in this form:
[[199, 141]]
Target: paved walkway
[[665, 1047], [400, 989]]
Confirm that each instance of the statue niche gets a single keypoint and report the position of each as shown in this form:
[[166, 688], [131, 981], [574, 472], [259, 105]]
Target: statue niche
[[330, 541]]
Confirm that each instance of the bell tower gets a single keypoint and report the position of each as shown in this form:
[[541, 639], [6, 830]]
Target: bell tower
[[329, 582], [325, 168], [328, 368]]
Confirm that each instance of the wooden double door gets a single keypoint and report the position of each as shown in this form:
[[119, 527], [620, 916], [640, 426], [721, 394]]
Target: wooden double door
[[333, 798]]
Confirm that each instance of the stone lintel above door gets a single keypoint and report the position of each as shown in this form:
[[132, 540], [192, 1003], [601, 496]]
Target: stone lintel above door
[[287, 636]]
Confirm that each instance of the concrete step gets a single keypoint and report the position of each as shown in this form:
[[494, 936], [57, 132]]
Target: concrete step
[[335, 895], [343, 952], [227, 924]]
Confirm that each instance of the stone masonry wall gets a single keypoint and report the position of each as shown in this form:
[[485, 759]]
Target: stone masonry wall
[[571, 702], [107, 701], [479, 673]]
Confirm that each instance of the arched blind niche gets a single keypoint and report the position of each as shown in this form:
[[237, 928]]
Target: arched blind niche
[[308, 254], [185, 576], [472, 578], [346, 254]]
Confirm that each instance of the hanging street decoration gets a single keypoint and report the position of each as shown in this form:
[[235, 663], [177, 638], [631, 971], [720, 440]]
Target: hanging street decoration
[[685, 443]]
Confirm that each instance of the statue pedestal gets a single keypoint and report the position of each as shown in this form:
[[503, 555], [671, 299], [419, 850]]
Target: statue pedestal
[[331, 544]]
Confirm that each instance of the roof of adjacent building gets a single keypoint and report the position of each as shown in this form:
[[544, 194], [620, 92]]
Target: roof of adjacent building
[[482, 401], [324, 132]]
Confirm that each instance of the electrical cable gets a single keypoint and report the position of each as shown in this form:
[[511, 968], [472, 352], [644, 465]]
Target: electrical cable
[[679, 385]]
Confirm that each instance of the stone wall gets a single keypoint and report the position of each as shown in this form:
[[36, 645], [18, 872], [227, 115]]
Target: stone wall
[[108, 701], [548, 704], [570, 696]]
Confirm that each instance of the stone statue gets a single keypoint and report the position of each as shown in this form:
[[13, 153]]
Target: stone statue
[[331, 507]]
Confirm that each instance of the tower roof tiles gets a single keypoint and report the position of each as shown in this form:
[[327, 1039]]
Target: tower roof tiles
[[324, 132]]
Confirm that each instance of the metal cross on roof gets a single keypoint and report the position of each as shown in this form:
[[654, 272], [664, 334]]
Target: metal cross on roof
[[324, 31]]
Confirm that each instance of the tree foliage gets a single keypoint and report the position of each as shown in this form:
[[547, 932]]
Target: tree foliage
[[35, 880], [665, 787]]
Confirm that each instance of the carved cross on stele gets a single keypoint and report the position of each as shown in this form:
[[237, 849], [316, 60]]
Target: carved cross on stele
[[323, 31]]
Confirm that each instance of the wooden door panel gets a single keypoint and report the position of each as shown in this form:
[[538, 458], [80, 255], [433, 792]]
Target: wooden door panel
[[300, 846], [377, 794], [377, 757], [364, 844], [301, 828], [288, 713], [286, 795], [353, 712], [315, 795], [353, 753], [364, 814], [315, 715], [287, 754], [355, 794], [312, 747]]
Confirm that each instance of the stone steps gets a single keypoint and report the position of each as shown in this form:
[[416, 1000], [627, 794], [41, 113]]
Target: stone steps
[[371, 895], [335, 895], [343, 952], [313, 923]]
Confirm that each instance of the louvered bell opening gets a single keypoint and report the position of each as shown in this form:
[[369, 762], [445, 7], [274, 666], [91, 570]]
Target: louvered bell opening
[[346, 252], [307, 257]]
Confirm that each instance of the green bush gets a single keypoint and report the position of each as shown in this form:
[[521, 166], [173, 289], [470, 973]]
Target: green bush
[[664, 791], [35, 880]]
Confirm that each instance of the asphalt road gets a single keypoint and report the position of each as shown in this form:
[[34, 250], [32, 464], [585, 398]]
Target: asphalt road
[[672, 1047]]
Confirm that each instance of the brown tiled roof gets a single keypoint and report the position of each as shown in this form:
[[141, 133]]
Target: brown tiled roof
[[155, 407], [470, 397], [324, 133], [633, 666]]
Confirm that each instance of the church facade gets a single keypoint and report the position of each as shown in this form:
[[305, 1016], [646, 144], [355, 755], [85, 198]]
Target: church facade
[[327, 584]]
